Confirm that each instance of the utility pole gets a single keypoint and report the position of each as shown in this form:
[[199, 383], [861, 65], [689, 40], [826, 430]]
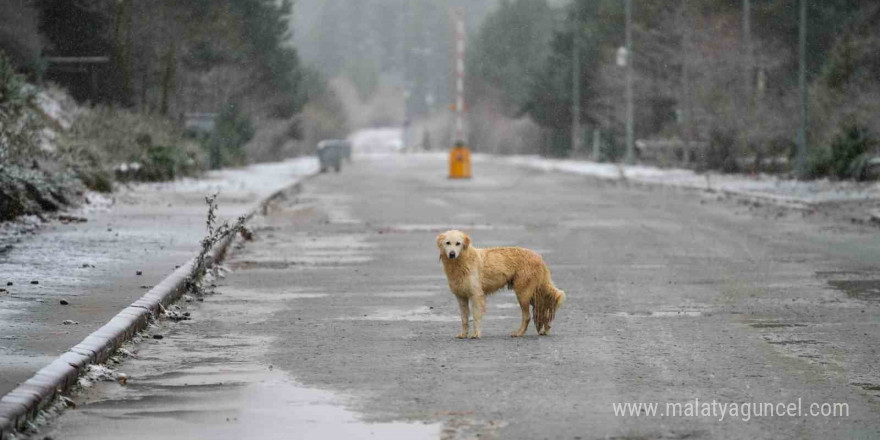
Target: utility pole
[[801, 158], [748, 75], [460, 154], [576, 83], [460, 135], [630, 150], [686, 111]]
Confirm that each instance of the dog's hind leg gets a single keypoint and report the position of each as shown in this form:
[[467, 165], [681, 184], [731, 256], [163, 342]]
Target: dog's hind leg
[[465, 316], [525, 296], [544, 312], [524, 308]]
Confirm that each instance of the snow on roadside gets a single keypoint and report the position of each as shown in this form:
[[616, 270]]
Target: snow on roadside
[[761, 185], [60, 110], [260, 180], [376, 140]]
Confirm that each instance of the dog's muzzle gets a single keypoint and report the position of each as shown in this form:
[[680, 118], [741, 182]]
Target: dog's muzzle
[[452, 254]]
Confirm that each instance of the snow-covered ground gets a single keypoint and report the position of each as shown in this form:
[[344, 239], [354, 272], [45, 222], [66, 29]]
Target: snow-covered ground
[[760, 185], [258, 180], [377, 140]]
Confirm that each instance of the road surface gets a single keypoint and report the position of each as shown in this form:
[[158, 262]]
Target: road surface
[[336, 321]]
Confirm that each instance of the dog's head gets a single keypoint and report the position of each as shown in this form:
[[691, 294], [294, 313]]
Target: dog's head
[[452, 244]]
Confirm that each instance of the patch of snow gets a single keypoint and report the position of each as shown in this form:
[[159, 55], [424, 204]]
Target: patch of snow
[[760, 185], [96, 373], [377, 141], [94, 202], [60, 109], [260, 180], [58, 106]]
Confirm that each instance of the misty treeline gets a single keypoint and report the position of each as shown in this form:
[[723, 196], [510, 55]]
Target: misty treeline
[[230, 57], [139, 70], [394, 57], [706, 93]]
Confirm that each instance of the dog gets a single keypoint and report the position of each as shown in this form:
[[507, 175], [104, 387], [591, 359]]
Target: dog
[[473, 273]]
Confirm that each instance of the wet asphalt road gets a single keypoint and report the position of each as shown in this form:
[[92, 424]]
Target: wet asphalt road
[[338, 314]]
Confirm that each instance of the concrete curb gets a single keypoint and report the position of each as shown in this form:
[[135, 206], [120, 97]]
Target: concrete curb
[[24, 402]]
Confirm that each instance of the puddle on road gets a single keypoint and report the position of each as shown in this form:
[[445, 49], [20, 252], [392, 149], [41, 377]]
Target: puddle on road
[[863, 286], [867, 386], [212, 384], [227, 401], [775, 324], [317, 251], [260, 295], [867, 290], [420, 314], [659, 314], [796, 342], [313, 261], [438, 228], [411, 294], [592, 224]]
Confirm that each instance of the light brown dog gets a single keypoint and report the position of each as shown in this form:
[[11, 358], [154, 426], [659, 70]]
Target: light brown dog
[[474, 273]]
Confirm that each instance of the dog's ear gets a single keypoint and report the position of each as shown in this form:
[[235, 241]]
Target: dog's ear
[[465, 242], [440, 239]]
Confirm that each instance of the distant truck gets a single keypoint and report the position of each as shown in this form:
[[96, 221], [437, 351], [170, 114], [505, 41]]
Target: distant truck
[[331, 153]]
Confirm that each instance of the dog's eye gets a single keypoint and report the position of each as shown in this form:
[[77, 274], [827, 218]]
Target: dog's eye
[[448, 243], [458, 243]]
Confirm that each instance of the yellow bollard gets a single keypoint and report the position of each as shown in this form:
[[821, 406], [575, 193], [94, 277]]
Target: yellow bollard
[[459, 162]]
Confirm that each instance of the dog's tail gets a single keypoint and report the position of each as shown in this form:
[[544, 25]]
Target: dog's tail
[[560, 298], [548, 299]]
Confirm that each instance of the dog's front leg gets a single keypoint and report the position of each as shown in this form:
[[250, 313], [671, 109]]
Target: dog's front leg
[[465, 316], [479, 303]]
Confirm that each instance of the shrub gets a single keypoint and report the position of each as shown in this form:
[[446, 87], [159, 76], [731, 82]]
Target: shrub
[[819, 163], [721, 152], [162, 162], [848, 157], [25, 187], [232, 130], [19, 125], [850, 152], [107, 140]]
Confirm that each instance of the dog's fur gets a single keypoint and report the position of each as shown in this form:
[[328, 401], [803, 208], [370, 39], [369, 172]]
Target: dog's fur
[[474, 273]]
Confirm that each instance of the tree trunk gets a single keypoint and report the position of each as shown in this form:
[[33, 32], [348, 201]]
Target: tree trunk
[[122, 42], [168, 74]]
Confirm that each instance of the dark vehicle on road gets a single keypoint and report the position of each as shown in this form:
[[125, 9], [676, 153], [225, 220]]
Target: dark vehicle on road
[[331, 152]]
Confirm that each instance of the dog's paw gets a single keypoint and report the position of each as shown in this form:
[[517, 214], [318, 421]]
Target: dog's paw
[[475, 336], [462, 335], [515, 334]]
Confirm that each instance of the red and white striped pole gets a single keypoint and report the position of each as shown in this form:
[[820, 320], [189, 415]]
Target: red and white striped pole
[[459, 155], [459, 76]]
